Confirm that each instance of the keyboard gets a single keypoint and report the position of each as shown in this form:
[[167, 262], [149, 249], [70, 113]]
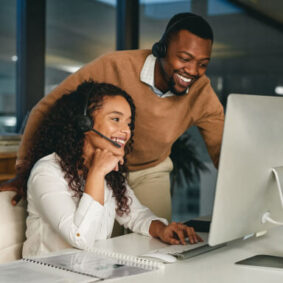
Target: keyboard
[[189, 250]]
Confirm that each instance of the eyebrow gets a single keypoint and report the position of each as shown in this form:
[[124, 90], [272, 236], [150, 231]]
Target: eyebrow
[[191, 55], [118, 113]]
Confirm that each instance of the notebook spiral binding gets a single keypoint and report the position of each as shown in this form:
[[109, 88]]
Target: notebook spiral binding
[[59, 267], [130, 260], [121, 259]]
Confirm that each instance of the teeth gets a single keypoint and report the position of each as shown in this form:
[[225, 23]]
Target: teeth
[[187, 80], [120, 141]]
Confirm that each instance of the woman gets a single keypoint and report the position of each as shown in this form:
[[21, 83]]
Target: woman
[[75, 180]]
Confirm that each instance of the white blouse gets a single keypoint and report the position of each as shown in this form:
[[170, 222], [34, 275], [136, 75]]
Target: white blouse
[[57, 219]]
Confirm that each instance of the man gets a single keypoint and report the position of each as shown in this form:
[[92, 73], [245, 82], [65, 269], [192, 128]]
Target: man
[[171, 93]]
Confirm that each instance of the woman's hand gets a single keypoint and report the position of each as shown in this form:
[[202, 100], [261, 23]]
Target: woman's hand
[[174, 233], [104, 162]]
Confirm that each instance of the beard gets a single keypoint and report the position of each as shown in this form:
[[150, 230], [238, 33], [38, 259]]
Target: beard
[[170, 81], [171, 86]]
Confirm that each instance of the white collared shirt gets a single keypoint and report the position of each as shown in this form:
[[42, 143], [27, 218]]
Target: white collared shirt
[[57, 219], [147, 76]]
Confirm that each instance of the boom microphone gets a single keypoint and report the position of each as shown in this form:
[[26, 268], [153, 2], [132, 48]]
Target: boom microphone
[[113, 142]]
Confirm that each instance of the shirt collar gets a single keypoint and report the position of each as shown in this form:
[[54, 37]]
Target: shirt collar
[[147, 76]]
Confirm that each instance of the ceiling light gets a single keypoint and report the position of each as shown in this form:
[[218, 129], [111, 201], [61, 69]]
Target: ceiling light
[[70, 69], [279, 90], [10, 121]]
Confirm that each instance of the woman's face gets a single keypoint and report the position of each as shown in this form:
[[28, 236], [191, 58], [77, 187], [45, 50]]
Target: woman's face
[[112, 120]]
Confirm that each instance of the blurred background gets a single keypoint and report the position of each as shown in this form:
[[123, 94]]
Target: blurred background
[[247, 58]]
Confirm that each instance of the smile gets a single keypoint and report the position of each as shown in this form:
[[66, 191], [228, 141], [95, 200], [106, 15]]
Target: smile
[[184, 79], [120, 141]]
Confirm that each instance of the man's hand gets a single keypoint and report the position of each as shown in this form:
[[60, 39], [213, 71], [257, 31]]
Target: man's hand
[[15, 186], [174, 233]]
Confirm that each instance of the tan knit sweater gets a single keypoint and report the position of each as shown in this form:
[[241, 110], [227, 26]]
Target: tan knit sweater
[[159, 121]]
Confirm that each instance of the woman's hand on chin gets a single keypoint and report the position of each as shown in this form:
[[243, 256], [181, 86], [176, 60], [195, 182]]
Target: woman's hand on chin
[[105, 161]]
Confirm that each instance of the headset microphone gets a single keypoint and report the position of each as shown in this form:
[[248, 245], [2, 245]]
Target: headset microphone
[[85, 123], [113, 142]]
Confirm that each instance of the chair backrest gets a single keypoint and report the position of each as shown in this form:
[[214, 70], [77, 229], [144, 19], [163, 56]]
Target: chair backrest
[[12, 227]]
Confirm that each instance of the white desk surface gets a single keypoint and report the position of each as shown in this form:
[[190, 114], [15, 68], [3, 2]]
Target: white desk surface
[[216, 266]]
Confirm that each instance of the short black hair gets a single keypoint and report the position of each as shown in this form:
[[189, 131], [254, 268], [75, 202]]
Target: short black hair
[[190, 22]]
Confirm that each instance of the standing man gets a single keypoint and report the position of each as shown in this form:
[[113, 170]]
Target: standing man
[[171, 93]]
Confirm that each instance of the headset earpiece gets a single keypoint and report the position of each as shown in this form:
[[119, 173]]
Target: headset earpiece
[[84, 123], [159, 49]]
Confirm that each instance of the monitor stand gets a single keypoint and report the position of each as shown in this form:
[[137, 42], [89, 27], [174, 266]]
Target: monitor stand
[[269, 260], [278, 173]]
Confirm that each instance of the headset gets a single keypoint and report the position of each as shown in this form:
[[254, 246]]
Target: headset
[[85, 123], [159, 49]]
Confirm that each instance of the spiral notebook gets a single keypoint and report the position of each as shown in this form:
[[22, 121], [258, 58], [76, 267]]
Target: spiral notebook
[[99, 264]]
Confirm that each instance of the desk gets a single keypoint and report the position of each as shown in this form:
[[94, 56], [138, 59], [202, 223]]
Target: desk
[[216, 266]]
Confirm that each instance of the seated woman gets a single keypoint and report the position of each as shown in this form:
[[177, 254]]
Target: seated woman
[[75, 179]]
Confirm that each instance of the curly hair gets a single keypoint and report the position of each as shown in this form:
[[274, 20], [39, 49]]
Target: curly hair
[[59, 132]]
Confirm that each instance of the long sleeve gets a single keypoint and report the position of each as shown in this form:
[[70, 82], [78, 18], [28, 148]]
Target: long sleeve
[[57, 219], [139, 217], [77, 221], [211, 122]]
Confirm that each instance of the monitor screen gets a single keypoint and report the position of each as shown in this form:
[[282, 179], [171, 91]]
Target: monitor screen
[[246, 186]]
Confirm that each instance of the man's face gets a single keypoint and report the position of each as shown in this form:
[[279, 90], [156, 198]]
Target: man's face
[[186, 60]]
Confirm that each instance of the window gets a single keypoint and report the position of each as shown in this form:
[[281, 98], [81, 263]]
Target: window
[[8, 66], [78, 31]]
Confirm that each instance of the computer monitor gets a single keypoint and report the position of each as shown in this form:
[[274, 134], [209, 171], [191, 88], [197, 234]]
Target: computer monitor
[[247, 187]]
